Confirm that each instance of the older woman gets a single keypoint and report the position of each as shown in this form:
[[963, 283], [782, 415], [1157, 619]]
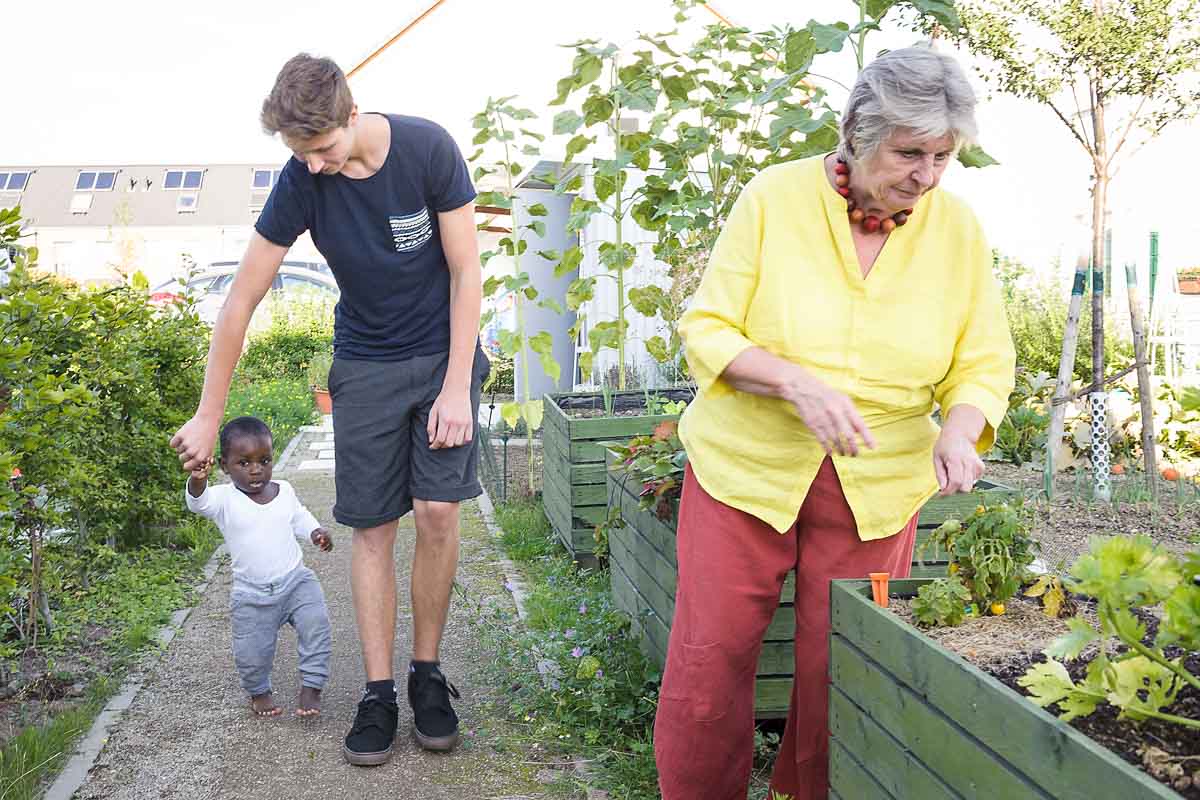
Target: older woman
[[846, 295]]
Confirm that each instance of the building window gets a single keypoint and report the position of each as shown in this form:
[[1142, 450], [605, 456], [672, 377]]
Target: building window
[[264, 178], [186, 202], [13, 181], [183, 179], [95, 180]]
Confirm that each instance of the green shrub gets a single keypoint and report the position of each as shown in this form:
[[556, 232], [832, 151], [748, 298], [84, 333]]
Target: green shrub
[[500, 380], [283, 353], [284, 404], [318, 370], [99, 381]]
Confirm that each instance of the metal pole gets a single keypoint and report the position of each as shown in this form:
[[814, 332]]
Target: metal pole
[[1153, 269]]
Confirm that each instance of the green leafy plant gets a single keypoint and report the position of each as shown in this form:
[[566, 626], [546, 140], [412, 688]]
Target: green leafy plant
[[1056, 601], [1022, 433], [989, 551], [941, 602], [500, 125], [318, 370], [657, 462], [1188, 273], [1123, 574], [579, 685]]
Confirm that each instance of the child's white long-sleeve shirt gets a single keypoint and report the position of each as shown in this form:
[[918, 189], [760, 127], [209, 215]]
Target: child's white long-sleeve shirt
[[262, 538]]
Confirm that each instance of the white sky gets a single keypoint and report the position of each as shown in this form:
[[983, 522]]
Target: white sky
[[143, 81]]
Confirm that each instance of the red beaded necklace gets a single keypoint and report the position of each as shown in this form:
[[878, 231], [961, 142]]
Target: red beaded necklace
[[870, 223]]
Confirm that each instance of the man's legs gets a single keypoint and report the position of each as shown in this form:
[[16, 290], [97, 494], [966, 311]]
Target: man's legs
[[373, 586], [435, 559]]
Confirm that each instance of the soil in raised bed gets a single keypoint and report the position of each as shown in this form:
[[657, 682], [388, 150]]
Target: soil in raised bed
[[1006, 646]]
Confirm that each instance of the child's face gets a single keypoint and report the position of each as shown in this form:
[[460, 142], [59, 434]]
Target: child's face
[[248, 463]]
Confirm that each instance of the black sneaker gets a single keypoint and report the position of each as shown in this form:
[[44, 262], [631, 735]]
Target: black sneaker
[[435, 724], [369, 741]]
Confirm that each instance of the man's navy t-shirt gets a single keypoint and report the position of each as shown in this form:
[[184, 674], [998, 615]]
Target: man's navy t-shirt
[[380, 237]]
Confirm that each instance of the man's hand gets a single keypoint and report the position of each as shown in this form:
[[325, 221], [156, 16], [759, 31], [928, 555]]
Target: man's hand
[[322, 539], [955, 459], [450, 421], [194, 442]]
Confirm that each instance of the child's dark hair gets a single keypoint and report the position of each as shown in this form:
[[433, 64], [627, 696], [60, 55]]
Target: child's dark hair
[[240, 427]]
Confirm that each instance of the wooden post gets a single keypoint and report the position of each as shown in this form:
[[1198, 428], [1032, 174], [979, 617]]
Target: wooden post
[[1066, 366], [1143, 376]]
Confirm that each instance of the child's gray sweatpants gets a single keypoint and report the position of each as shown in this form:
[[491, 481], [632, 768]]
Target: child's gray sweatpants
[[258, 612]]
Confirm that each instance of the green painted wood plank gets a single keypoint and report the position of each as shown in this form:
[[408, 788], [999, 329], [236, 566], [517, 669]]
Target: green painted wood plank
[[848, 778], [772, 696], [777, 658], [891, 763], [590, 515], [927, 571], [1061, 760], [589, 494], [939, 509], [652, 633], [617, 428], [961, 761]]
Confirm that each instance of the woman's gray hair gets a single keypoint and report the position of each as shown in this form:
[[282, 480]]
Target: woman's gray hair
[[916, 88]]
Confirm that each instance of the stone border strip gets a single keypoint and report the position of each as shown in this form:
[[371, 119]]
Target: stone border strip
[[512, 576], [75, 773]]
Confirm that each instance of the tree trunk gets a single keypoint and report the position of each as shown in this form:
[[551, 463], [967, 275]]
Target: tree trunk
[[1143, 376]]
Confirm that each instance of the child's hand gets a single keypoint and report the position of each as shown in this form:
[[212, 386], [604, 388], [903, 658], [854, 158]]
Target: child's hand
[[322, 539], [201, 472]]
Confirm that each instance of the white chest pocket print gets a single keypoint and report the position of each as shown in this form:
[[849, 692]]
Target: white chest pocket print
[[411, 231]]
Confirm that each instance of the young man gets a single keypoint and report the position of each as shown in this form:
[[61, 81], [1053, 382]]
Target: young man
[[389, 203]]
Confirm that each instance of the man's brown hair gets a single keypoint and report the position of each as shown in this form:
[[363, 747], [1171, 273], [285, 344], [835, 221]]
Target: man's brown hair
[[310, 97]]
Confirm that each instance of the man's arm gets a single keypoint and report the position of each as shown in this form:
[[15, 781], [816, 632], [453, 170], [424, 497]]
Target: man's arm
[[194, 441], [450, 421]]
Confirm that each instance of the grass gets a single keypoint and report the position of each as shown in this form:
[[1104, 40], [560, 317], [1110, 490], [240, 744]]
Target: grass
[[580, 688], [606, 721], [127, 595], [28, 758]]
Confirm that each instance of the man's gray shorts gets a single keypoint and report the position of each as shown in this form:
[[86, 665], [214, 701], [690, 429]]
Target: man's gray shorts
[[382, 459]]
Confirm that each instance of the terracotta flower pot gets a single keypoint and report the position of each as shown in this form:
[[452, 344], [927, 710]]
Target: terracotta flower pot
[[323, 400], [1189, 285]]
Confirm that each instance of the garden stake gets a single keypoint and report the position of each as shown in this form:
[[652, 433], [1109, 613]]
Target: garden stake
[[879, 588], [1145, 393]]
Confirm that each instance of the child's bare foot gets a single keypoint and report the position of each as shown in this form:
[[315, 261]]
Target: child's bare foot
[[263, 705], [309, 702]]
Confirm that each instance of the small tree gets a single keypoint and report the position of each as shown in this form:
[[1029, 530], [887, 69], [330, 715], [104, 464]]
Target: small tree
[[1115, 73]]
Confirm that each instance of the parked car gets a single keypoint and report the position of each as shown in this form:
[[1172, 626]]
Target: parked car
[[210, 288]]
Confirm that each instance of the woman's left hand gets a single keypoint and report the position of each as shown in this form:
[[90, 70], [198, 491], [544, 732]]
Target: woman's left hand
[[956, 463]]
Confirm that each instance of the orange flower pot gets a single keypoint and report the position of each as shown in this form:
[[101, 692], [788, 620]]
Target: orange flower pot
[[323, 400]]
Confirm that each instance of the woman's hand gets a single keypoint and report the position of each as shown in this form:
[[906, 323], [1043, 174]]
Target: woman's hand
[[829, 414], [955, 459]]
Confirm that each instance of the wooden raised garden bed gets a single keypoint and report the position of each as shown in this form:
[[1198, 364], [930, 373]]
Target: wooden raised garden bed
[[909, 719], [642, 569], [574, 429]]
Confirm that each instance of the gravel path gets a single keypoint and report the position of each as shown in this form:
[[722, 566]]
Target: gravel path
[[189, 733]]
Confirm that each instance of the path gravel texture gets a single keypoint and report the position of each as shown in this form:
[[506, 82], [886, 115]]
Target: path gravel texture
[[189, 733]]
